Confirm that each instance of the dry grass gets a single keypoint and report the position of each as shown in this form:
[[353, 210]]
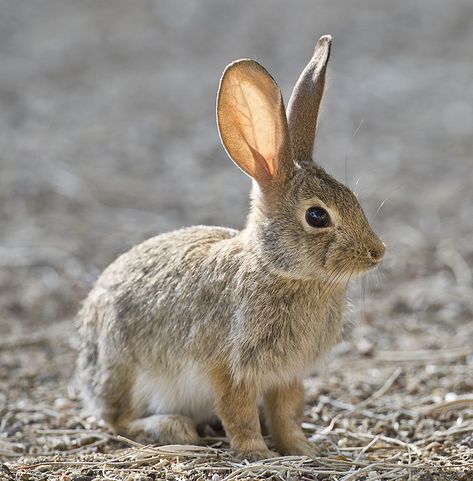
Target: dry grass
[[371, 423]]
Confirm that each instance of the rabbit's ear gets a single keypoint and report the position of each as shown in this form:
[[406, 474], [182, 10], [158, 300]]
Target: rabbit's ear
[[252, 122], [304, 104]]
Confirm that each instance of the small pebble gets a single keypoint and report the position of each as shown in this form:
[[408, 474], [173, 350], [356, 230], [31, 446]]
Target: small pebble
[[62, 404], [450, 396], [365, 347]]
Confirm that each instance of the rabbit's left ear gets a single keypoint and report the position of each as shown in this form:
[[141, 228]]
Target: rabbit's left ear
[[252, 122], [304, 104]]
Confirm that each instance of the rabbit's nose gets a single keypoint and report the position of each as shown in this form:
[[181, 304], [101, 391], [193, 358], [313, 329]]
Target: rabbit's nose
[[376, 251]]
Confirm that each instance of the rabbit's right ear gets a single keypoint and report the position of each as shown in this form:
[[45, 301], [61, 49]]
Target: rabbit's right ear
[[252, 122]]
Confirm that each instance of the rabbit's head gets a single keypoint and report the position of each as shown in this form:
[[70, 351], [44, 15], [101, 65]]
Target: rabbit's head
[[304, 223]]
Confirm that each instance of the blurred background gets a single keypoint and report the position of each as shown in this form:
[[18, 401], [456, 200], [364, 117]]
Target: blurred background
[[108, 136]]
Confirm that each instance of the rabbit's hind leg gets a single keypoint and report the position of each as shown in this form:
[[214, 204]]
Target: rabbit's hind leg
[[163, 429]]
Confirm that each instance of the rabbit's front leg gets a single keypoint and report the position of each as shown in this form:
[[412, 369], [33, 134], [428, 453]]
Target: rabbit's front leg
[[237, 409], [284, 409]]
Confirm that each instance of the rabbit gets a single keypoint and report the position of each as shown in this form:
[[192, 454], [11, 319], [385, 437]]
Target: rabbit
[[212, 321]]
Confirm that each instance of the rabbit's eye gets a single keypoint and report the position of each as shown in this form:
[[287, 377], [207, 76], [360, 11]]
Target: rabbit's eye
[[317, 217]]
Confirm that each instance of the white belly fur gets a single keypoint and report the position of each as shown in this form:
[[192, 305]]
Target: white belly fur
[[187, 393]]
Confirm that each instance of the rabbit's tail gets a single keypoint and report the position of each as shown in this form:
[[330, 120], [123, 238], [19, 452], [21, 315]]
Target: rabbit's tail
[[102, 383]]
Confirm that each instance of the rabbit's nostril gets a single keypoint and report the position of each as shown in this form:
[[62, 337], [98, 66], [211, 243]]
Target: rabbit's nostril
[[377, 252]]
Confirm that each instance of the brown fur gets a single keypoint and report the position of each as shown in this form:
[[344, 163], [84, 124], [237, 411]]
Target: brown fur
[[236, 405], [208, 319], [284, 407]]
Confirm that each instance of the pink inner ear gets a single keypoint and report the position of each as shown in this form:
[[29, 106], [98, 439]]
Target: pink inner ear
[[260, 163], [251, 120]]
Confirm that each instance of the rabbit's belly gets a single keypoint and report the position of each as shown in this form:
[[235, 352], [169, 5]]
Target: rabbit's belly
[[187, 393]]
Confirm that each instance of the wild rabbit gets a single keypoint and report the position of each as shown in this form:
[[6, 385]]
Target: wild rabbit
[[210, 320]]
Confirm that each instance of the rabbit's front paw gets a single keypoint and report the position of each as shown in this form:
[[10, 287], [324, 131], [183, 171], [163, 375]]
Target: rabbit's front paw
[[256, 454], [299, 447]]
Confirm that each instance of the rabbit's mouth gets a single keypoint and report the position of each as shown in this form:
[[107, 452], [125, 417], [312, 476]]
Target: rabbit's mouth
[[353, 263], [368, 264], [371, 265]]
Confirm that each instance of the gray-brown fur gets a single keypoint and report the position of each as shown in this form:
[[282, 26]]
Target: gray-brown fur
[[304, 104], [208, 319]]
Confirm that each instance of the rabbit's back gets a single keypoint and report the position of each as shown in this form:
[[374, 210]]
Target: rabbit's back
[[136, 281], [144, 293]]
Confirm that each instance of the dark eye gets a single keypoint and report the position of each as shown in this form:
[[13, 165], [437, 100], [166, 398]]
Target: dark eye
[[317, 217]]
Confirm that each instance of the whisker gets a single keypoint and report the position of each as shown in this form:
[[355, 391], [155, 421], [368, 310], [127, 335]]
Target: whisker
[[376, 276], [380, 207], [358, 128], [390, 194], [339, 272], [349, 277], [328, 285], [351, 148], [381, 273], [356, 185], [332, 274], [342, 272], [332, 286]]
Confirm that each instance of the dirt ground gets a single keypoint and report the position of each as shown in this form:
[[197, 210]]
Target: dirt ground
[[107, 136]]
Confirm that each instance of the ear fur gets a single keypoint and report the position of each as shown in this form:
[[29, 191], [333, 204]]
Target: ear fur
[[252, 122], [304, 104]]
